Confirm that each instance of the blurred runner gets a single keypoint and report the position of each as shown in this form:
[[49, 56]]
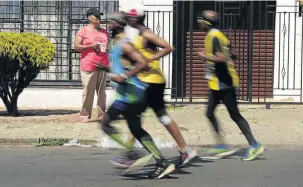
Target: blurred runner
[[147, 43], [223, 81], [127, 62]]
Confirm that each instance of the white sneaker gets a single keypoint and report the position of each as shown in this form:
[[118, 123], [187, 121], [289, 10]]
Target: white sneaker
[[188, 156]]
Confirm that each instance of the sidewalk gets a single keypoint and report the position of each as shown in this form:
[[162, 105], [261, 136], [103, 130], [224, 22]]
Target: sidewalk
[[280, 125]]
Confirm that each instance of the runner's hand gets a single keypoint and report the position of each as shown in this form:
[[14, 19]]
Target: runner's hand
[[117, 78]]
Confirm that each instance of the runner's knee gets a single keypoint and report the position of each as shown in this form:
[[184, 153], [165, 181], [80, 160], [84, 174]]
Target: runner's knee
[[210, 115], [236, 116], [163, 117], [106, 127]]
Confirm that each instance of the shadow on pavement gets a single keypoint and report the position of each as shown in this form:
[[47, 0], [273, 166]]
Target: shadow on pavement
[[240, 153], [143, 174], [41, 112]]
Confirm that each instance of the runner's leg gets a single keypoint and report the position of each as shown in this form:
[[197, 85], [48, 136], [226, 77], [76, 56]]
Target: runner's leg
[[155, 99], [133, 118]]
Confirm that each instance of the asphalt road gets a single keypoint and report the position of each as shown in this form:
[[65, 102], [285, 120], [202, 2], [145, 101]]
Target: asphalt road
[[89, 167]]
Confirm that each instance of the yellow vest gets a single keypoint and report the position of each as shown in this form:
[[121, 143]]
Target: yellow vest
[[213, 81], [154, 74]]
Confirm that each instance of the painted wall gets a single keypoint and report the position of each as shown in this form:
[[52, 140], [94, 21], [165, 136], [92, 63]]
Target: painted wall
[[288, 52]]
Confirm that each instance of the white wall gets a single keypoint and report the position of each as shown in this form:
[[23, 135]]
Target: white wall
[[293, 44], [165, 25], [44, 98]]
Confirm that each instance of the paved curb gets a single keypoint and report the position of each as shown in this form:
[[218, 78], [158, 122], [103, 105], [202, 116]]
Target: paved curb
[[12, 141], [32, 141]]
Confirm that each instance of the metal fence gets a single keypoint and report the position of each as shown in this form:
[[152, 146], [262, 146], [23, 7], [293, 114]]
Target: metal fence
[[289, 53], [268, 41], [267, 38], [59, 21]]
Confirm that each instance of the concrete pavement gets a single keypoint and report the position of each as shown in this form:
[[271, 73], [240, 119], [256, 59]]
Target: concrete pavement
[[88, 167], [280, 125]]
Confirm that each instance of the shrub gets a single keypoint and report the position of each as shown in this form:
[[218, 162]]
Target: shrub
[[22, 57]]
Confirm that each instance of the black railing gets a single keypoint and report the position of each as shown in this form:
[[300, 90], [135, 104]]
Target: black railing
[[59, 21], [288, 77], [268, 42]]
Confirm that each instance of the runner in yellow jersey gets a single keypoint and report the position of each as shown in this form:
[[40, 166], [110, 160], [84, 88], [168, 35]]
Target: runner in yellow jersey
[[148, 43], [223, 81]]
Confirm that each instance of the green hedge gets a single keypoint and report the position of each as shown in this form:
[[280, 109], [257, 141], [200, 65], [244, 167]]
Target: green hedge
[[27, 47]]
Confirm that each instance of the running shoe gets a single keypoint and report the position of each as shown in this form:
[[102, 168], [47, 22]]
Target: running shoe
[[187, 156], [127, 159], [121, 162], [219, 152], [252, 152], [140, 163], [162, 169]]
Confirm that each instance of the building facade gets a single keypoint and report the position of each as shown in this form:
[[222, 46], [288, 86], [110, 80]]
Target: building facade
[[267, 36]]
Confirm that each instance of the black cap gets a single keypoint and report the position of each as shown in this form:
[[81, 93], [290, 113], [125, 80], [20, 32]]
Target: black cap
[[208, 17], [119, 17], [94, 12]]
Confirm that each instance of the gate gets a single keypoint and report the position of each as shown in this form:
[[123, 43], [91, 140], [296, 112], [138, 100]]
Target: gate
[[161, 22], [59, 21], [268, 39], [288, 76], [250, 36]]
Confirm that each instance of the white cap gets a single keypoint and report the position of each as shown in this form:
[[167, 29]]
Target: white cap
[[138, 11]]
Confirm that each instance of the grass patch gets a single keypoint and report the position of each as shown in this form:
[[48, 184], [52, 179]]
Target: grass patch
[[50, 142]]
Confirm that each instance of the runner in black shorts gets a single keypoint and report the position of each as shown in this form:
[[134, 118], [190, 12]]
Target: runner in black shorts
[[147, 43], [223, 81], [155, 97], [127, 62]]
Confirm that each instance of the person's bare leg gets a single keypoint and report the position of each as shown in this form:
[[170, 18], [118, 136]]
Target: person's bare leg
[[132, 139], [176, 134]]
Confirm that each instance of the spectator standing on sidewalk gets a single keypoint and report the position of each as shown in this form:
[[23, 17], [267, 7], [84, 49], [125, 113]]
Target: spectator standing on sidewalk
[[92, 42]]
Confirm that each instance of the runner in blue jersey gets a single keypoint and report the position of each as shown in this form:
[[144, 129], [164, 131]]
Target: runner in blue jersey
[[127, 62]]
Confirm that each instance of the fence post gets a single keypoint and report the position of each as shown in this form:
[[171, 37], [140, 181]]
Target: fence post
[[22, 16], [191, 18], [69, 38], [251, 38]]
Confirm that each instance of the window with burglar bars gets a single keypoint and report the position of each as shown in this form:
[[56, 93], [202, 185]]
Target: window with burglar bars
[[59, 21]]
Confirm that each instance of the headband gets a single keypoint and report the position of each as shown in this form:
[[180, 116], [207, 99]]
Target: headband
[[203, 19], [118, 19]]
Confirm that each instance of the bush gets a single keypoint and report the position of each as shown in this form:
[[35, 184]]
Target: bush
[[22, 57]]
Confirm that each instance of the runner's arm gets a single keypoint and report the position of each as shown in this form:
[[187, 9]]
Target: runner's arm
[[160, 42], [218, 57], [135, 55]]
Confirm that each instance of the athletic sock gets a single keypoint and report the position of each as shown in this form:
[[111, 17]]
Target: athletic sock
[[151, 147], [117, 138]]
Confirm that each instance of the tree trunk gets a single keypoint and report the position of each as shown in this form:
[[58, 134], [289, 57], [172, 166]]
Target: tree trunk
[[7, 105], [11, 106], [13, 83], [14, 107]]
